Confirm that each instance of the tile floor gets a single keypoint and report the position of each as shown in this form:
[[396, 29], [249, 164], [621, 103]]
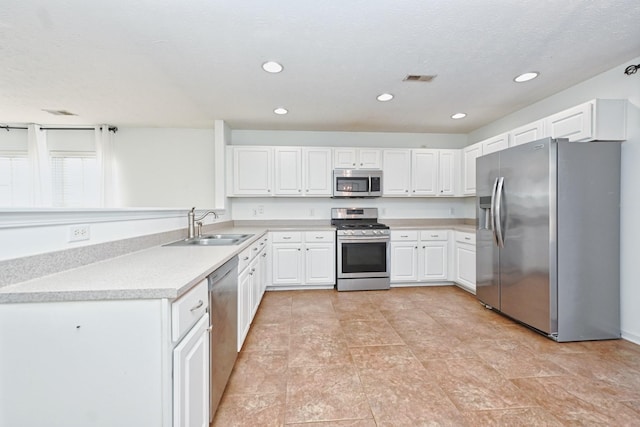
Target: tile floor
[[419, 357]]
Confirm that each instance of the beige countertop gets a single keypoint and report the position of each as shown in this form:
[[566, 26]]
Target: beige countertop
[[157, 272]]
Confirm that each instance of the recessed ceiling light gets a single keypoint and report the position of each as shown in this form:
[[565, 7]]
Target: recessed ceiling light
[[272, 67], [384, 97], [280, 111], [457, 116], [526, 77]]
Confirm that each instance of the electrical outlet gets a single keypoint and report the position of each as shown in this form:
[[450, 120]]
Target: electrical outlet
[[452, 211], [261, 209], [78, 233]]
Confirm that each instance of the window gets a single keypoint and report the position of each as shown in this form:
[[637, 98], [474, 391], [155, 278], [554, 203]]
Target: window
[[14, 180], [74, 179]]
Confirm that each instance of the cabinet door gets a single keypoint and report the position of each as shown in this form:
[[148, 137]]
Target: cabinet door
[[448, 167], [433, 260], [575, 123], [316, 171], [469, 156], [523, 134], [320, 266], [396, 166], [496, 143], [404, 261], [244, 305], [424, 172], [344, 158], [369, 158], [256, 285], [288, 171], [191, 377], [466, 266], [287, 264], [252, 171]]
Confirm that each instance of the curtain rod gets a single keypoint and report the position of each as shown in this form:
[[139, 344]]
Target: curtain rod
[[113, 129]]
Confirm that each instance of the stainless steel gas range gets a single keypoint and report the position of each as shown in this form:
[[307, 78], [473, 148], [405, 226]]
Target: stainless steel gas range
[[362, 249]]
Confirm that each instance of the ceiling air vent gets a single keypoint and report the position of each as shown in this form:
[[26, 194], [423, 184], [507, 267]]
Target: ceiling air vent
[[419, 78], [60, 112]]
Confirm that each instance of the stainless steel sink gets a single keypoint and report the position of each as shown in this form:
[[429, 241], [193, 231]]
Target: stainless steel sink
[[212, 240]]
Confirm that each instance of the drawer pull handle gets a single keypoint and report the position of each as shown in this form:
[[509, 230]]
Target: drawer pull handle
[[197, 306], [264, 254], [404, 236], [319, 237], [286, 238], [245, 258], [434, 235], [467, 238], [255, 249]]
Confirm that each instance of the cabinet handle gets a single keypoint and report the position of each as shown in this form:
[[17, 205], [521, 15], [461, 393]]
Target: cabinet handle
[[261, 243], [319, 237], [255, 249], [307, 190], [404, 236], [197, 306], [299, 249], [361, 164], [434, 235], [299, 190], [467, 238], [264, 254], [245, 258], [424, 247], [354, 164], [286, 238]]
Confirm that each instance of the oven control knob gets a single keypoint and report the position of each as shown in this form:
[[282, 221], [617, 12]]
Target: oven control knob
[[364, 232]]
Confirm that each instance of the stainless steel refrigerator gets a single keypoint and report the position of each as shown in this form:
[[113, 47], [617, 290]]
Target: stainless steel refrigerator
[[548, 237]]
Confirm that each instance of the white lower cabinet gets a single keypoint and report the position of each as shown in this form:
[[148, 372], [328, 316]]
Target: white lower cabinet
[[191, 378], [419, 256], [303, 258], [106, 363], [251, 284], [465, 260]]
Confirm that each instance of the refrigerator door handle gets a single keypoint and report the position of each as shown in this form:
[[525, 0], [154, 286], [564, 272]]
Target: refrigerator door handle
[[492, 211], [496, 219]]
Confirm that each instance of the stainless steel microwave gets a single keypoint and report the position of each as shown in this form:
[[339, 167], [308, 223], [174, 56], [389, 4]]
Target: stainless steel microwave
[[357, 183]]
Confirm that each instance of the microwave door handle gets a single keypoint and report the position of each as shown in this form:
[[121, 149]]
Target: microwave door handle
[[370, 188]]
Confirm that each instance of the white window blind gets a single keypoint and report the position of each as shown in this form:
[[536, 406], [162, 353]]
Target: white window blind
[[14, 180], [74, 180]]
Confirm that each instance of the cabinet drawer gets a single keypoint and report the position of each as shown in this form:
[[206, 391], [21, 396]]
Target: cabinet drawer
[[244, 259], [402, 235], [463, 237], [186, 310], [426, 235], [287, 237], [319, 236]]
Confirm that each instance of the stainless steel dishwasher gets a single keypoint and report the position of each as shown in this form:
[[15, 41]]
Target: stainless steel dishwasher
[[223, 306]]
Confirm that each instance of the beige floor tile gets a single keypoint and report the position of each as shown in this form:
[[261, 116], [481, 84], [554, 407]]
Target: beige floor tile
[[370, 332], [267, 336], [276, 314], [242, 410], [350, 310], [513, 359], [316, 325], [259, 373], [429, 347], [384, 357], [318, 350], [571, 410], [325, 393], [345, 423], [473, 385], [521, 417]]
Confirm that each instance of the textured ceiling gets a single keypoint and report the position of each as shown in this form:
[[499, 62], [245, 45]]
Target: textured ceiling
[[165, 63]]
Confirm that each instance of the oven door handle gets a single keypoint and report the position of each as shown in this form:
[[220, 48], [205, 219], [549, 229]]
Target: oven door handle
[[360, 239]]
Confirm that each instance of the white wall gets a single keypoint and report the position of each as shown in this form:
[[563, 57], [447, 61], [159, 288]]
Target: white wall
[[349, 139], [320, 208], [612, 84], [165, 167]]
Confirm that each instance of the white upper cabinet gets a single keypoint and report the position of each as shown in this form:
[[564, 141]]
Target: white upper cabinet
[[302, 171], [596, 120], [396, 167], [288, 171], [496, 143], [424, 172], [469, 156], [357, 158], [527, 133], [448, 172], [251, 170], [317, 171]]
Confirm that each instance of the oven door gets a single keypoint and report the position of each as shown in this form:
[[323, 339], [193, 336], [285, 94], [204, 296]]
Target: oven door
[[360, 257]]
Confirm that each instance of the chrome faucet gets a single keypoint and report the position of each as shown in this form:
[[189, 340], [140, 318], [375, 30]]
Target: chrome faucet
[[193, 221]]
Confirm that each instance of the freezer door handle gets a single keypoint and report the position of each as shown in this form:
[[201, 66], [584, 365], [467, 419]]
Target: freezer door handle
[[492, 210], [498, 205]]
